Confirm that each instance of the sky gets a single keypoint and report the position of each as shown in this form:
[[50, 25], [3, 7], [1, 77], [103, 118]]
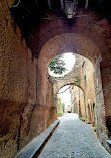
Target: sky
[[69, 60], [65, 97]]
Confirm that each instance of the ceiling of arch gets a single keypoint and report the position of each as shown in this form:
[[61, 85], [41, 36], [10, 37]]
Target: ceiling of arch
[[27, 13], [70, 43]]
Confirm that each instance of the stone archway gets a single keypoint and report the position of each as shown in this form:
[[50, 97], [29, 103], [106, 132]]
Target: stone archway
[[70, 42], [82, 45], [74, 77], [95, 30]]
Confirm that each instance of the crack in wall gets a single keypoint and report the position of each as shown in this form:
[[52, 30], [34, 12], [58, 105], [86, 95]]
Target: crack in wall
[[20, 125], [30, 118]]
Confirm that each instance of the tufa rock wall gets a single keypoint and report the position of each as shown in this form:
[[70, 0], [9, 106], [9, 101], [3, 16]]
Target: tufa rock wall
[[21, 118]]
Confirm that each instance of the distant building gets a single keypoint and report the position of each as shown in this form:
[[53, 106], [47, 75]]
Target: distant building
[[83, 100], [59, 106]]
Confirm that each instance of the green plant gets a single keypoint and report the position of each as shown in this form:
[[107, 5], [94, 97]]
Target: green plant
[[57, 65], [53, 79], [63, 107], [82, 119], [77, 81], [95, 129], [55, 97], [60, 114]]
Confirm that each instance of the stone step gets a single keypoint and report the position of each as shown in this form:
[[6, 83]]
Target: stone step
[[109, 141]]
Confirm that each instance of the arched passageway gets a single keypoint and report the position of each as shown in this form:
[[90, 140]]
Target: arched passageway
[[26, 92], [83, 46], [82, 89], [75, 76]]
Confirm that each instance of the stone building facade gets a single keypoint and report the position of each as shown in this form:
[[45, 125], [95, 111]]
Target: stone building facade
[[84, 100], [59, 106], [77, 101]]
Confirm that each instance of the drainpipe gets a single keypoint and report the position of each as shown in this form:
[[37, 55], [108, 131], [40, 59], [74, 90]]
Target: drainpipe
[[36, 80], [79, 104], [85, 105]]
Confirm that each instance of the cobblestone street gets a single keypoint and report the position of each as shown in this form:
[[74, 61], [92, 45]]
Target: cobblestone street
[[73, 139]]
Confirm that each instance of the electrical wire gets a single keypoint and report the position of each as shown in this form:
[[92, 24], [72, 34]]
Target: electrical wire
[[14, 6], [64, 90]]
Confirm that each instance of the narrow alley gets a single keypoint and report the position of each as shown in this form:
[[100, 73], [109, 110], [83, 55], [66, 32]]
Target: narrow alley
[[73, 139], [50, 50]]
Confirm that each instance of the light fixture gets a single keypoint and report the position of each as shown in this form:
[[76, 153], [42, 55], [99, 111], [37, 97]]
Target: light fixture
[[70, 7]]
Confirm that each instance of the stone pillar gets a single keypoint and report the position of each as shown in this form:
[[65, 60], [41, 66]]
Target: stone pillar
[[100, 107], [106, 84]]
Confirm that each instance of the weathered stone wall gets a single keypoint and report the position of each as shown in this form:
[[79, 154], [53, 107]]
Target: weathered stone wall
[[45, 90], [87, 94], [74, 77], [21, 118], [18, 86], [82, 104], [89, 90], [106, 84], [75, 99], [100, 108], [59, 105]]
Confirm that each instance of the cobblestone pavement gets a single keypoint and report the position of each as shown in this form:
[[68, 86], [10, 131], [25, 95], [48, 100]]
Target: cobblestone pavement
[[73, 139]]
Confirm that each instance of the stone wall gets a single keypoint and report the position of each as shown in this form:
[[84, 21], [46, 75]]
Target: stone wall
[[89, 90], [74, 77], [21, 118], [87, 93], [83, 104], [18, 86], [106, 83]]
